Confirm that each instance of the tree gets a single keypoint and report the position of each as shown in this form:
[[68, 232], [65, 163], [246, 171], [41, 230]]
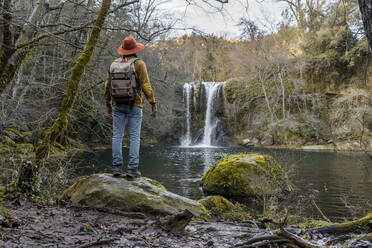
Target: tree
[[12, 54], [249, 30], [60, 124], [365, 7]]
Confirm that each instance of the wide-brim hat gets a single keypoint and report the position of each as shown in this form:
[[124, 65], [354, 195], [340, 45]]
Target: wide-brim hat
[[130, 46]]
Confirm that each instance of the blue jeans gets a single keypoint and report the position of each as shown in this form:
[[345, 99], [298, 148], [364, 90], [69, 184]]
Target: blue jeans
[[120, 113]]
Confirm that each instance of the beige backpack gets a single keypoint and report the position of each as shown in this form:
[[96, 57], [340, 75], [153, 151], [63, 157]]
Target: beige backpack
[[124, 87]]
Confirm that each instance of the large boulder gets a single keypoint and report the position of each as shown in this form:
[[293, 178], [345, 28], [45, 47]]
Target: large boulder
[[245, 175], [140, 194]]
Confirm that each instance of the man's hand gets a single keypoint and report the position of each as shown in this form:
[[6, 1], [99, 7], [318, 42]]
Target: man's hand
[[154, 111], [109, 111]]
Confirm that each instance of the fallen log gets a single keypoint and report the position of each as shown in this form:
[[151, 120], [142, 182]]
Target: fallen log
[[295, 239], [345, 227]]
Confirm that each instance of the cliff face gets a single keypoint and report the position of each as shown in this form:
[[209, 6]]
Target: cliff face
[[339, 121]]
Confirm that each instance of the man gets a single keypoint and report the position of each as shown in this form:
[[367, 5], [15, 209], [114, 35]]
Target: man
[[131, 110]]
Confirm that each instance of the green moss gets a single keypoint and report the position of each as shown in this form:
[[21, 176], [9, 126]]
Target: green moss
[[216, 204], [4, 149], [15, 131], [141, 194], [219, 207], [245, 174], [311, 223], [368, 237], [8, 141]]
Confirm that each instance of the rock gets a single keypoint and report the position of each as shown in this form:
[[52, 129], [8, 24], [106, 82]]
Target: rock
[[267, 140], [245, 175], [219, 207], [140, 194], [216, 204], [247, 142]]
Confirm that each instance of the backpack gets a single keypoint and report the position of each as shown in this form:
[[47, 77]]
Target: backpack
[[124, 88]]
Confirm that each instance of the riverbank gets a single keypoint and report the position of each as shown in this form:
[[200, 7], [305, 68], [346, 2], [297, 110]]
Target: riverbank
[[78, 226], [35, 225]]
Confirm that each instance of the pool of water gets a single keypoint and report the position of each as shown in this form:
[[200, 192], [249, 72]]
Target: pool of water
[[337, 179]]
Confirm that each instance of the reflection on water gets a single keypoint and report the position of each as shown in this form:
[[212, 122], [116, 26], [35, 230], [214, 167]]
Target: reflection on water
[[336, 176]]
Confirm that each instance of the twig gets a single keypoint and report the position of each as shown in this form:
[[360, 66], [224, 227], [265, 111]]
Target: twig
[[267, 242], [320, 211], [257, 239], [295, 239], [98, 242]]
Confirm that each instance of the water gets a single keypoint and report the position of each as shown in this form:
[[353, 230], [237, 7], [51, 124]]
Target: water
[[335, 176], [212, 90], [186, 141]]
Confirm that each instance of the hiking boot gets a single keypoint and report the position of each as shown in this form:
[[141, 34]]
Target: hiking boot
[[133, 173], [117, 170]]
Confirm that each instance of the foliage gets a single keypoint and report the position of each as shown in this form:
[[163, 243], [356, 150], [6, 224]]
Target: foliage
[[335, 53]]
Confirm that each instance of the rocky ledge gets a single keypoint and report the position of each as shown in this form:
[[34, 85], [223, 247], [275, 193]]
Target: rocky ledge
[[141, 194]]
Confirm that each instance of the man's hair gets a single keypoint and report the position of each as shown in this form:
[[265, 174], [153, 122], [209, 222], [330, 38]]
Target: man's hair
[[135, 55]]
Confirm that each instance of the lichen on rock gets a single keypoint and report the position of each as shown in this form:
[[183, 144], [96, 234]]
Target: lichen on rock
[[140, 194], [245, 175]]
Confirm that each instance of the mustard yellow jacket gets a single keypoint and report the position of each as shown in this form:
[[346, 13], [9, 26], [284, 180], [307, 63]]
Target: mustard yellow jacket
[[143, 80]]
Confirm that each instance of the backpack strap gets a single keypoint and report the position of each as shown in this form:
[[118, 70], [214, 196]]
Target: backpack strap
[[138, 86], [131, 61]]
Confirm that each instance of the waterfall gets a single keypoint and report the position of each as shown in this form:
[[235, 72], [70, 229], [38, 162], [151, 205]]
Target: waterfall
[[211, 90], [186, 141]]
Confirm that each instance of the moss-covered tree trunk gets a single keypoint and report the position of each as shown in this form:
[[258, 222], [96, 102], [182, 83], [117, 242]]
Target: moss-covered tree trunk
[[60, 124], [7, 48], [10, 57]]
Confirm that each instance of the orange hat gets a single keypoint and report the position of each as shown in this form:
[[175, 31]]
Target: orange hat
[[130, 46]]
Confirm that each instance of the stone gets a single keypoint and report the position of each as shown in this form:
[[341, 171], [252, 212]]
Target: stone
[[218, 207], [141, 195], [267, 140], [247, 142], [245, 174]]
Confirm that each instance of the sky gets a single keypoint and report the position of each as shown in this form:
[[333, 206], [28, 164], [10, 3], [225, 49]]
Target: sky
[[265, 14]]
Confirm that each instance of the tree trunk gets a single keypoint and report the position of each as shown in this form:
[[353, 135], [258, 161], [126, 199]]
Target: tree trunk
[[11, 59], [7, 48], [365, 7], [60, 124]]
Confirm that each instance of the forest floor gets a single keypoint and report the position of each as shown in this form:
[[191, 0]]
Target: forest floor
[[34, 225]]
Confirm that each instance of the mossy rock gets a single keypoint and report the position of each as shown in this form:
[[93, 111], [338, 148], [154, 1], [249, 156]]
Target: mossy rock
[[245, 175], [140, 194], [216, 204], [219, 207]]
